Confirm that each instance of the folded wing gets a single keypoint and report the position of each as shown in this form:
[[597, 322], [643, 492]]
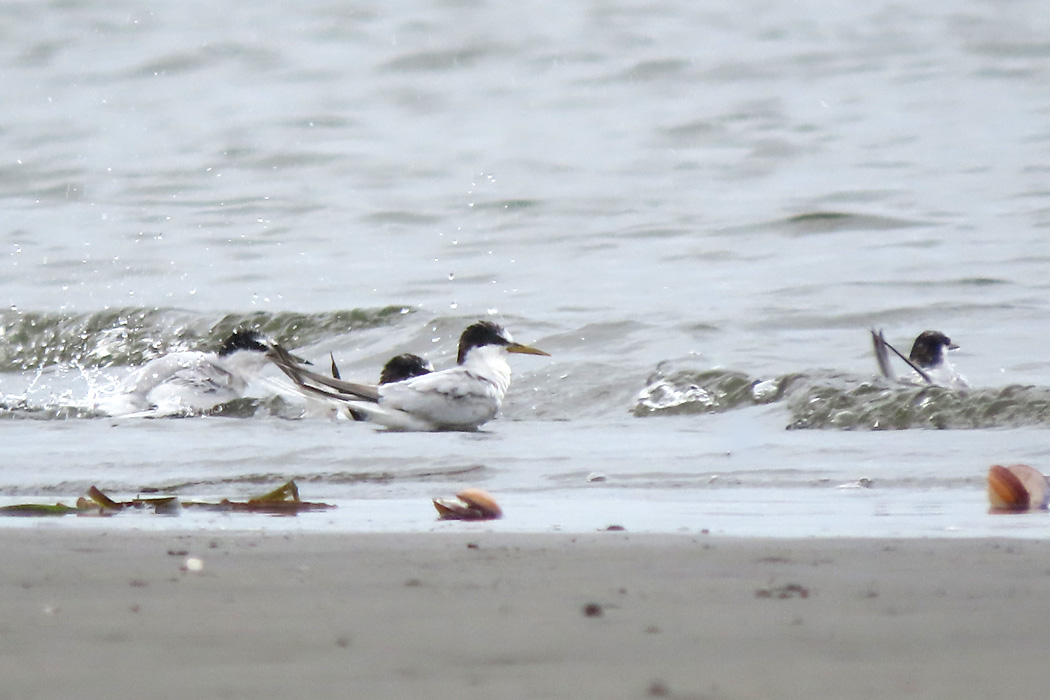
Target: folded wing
[[319, 384]]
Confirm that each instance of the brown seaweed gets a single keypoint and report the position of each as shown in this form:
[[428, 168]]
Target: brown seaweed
[[284, 500]]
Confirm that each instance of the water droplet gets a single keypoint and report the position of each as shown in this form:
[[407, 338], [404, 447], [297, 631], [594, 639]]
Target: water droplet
[[453, 305], [451, 276]]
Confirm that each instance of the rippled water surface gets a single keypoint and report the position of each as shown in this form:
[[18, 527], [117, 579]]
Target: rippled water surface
[[698, 209]]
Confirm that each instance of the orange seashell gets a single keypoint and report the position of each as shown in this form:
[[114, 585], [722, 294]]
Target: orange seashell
[[1035, 482], [1017, 487], [473, 504], [480, 500], [1005, 490]]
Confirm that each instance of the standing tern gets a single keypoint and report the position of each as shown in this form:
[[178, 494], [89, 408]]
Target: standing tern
[[928, 360], [463, 397], [191, 381]]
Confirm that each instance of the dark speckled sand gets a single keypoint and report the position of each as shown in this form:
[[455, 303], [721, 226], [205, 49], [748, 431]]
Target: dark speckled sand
[[610, 615]]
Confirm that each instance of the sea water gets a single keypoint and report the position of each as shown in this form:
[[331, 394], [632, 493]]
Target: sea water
[[699, 209]]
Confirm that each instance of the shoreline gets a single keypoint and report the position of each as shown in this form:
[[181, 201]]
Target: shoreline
[[498, 615], [739, 513]]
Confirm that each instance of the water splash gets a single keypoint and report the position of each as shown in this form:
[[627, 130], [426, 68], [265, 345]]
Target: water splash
[[708, 391], [130, 336], [834, 401]]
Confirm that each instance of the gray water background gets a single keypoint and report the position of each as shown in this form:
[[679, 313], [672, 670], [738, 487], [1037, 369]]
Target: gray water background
[[718, 193]]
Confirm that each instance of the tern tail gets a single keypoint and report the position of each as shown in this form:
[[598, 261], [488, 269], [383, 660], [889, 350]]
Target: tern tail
[[318, 384]]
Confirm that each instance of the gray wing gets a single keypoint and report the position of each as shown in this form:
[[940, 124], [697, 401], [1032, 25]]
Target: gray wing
[[203, 380], [454, 397], [319, 384], [882, 358], [882, 355]]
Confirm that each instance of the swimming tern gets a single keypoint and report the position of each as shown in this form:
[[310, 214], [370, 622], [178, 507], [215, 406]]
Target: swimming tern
[[191, 381], [463, 397], [928, 360], [397, 369]]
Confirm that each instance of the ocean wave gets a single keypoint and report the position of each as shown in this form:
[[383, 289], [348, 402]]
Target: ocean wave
[[873, 406], [688, 392], [62, 360], [66, 407], [23, 410], [832, 401], [131, 336]]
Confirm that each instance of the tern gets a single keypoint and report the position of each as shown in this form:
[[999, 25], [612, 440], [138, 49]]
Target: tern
[[405, 366], [928, 360], [191, 381], [397, 369], [463, 397]]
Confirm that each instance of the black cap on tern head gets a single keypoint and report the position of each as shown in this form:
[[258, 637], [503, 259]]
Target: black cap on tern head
[[928, 349], [485, 333], [403, 367], [243, 339], [480, 334]]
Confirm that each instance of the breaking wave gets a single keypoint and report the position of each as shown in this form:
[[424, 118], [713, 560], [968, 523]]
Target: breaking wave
[[130, 336], [61, 358], [844, 402]]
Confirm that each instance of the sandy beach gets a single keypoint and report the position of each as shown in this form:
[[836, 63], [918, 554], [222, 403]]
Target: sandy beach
[[607, 615]]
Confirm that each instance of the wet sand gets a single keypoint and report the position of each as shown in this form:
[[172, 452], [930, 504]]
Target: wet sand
[[608, 615]]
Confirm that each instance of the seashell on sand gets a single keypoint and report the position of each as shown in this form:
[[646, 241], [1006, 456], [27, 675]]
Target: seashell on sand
[[1016, 488], [472, 504]]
